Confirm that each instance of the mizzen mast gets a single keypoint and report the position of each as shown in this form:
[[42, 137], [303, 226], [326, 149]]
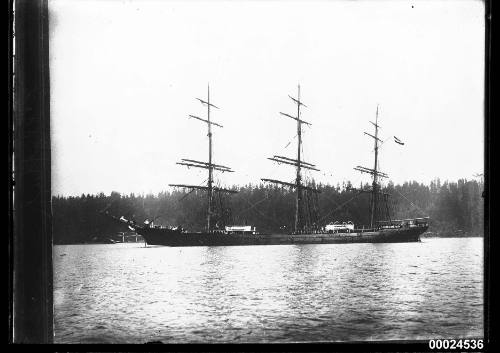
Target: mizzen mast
[[376, 174], [206, 165], [299, 165]]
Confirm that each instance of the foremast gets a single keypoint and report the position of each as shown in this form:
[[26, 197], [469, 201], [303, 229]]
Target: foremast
[[375, 191], [299, 165], [210, 166]]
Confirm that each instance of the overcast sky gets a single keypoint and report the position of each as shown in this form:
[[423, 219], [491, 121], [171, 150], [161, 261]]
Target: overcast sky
[[125, 75]]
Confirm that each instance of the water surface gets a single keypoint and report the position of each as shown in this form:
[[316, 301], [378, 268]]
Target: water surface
[[126, 293]]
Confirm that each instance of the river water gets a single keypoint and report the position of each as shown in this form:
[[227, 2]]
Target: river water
[[126, 293]]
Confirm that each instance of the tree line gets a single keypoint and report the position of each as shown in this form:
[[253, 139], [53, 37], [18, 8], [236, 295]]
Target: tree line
[[454, 208]]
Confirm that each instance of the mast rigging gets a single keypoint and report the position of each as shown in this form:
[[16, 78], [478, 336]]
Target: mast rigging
[[375, 173], [300, 224], [210, 188]]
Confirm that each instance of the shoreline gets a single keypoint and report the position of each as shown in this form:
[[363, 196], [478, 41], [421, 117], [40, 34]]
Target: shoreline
[[431, 235]]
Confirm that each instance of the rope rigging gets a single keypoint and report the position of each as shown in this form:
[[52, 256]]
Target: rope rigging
[[289, 142], [262, 214], [252, 205], [189, 193], [416, 206], [339, 207]]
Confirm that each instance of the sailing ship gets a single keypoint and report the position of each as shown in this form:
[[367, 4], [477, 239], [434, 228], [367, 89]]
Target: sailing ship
[[306, 227]]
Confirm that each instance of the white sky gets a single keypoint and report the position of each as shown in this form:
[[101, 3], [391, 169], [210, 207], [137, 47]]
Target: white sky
[[125, 74]]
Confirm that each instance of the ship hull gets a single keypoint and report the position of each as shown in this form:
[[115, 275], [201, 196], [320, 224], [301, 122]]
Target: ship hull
[[167, 237]]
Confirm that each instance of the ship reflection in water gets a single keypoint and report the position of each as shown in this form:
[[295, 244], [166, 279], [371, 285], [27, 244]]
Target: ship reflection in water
[[125, 293]]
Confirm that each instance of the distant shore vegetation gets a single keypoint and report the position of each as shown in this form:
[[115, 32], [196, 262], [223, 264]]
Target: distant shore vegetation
[[454, 208]]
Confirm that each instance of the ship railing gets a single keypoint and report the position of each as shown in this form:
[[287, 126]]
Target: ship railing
[[249, 232], [338, 230], [364, 230], [409, 222], [225, 232]]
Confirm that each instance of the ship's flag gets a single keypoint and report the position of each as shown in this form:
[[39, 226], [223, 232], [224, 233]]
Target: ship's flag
[[398, 141]]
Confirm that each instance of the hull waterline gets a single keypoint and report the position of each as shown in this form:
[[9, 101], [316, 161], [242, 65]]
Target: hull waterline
[[167, 237]]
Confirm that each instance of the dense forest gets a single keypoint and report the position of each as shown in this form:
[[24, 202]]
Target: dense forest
[[454, 208]]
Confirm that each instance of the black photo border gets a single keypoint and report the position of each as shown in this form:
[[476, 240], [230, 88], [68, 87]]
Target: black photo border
[[29, 257]]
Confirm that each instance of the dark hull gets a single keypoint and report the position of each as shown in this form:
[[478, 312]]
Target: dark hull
[[166, 237]]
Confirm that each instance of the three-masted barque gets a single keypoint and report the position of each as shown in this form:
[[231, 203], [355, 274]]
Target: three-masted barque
[[306, 227]]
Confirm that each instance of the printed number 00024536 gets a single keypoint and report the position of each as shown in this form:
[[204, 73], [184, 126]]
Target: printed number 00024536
[[456, 344]]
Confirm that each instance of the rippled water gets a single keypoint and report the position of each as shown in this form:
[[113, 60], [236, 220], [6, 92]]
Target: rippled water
[[125, 293]]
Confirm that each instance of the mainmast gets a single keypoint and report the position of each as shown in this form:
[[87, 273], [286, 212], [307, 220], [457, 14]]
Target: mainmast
[[298, 163], [210, 166], [298, 199], [375, 174], [210, 170]]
